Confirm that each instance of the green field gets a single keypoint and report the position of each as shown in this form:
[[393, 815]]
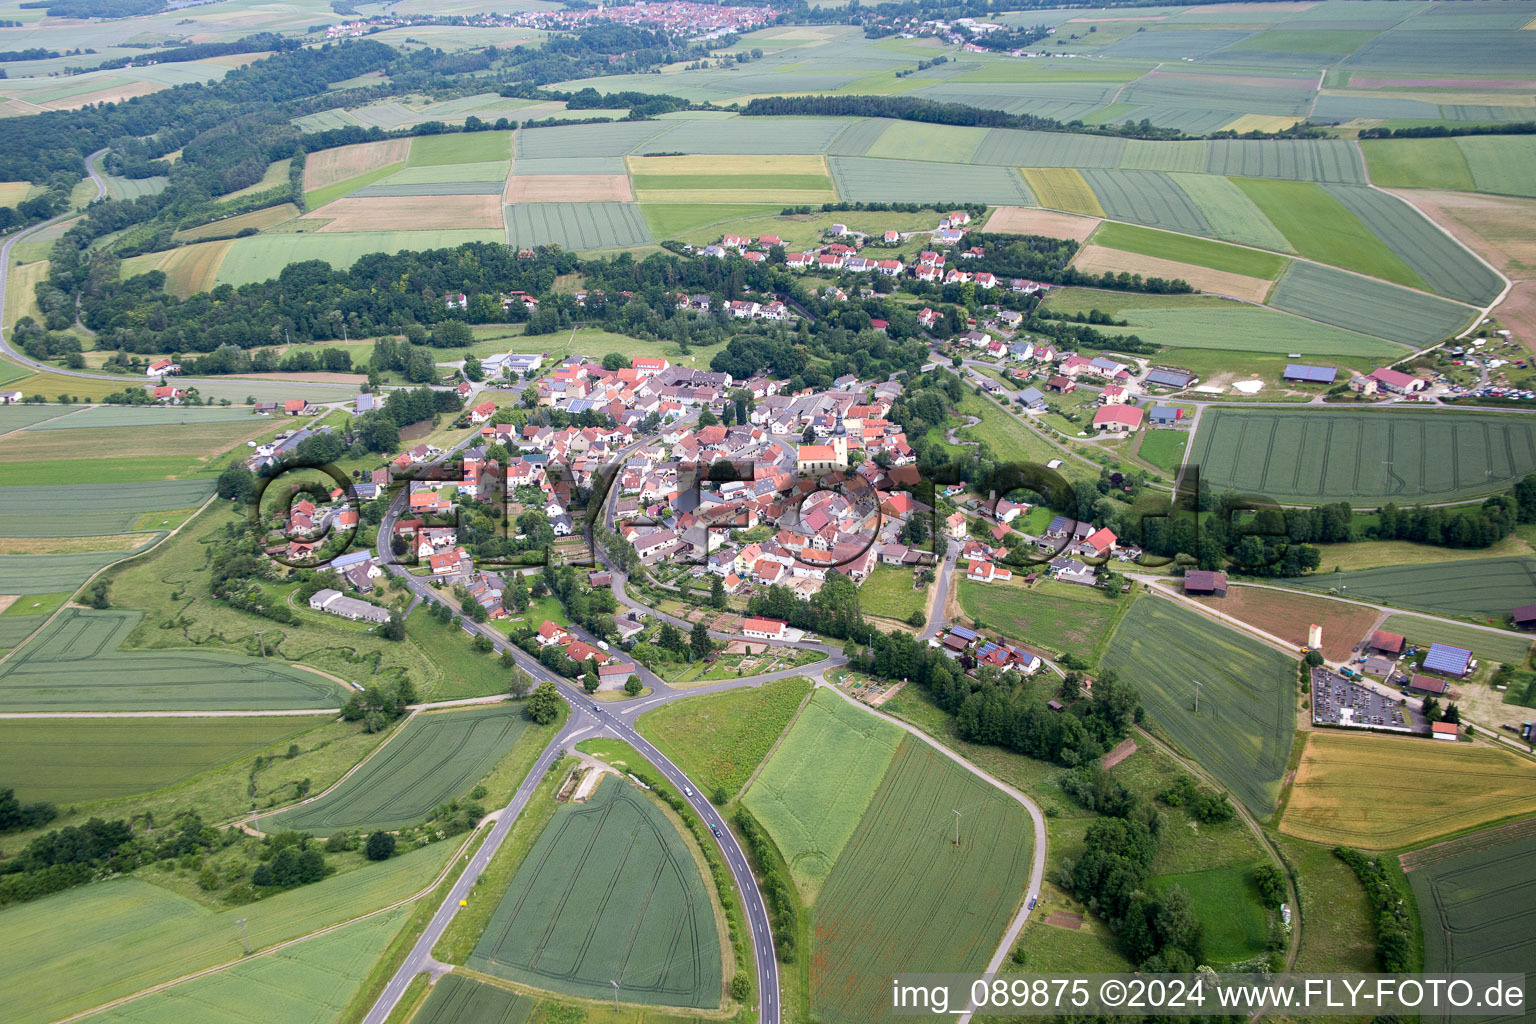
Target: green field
[[1370, 307], [1229, 212], [92, 509], [65, 953], [1477, 904], [51, 574], [810, 811], [436, 757], [700, 182], [1227, 904], [98, 416], [903, 897], [1499, 164], [1505, 648], [866, 179], [719, 739], [261, 257], [74, 760], [330, 193], [466, 672], [456, 999], [459, 148], [310, 982], [1242, 734], [1322, 228], [77, 664], [66, 472], [609, 892], [1481, 588], [888, 592], [1365, 457], [908, 140], [1062, 618], [1164, 448], [1185, 249], [577, 226], [675, 220]]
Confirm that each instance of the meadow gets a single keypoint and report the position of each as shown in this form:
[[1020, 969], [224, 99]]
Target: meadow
[[1349, 789], [66, 952], [1322, 228], [465, 672], [1477, 901], [1242, 732], [88, 510], [811, 812], [262, 256], [1481, 588], [1505, 648], [1235, 923], [609, 892], [77, 760], [456, 999], [904, 897], [1369, 307], [78, 664], [1187, 249], [51, 574], [1062, 618], [888, 592], [1365, 457], [436, 757], [1492, 164], [310, 982], [720, 739]]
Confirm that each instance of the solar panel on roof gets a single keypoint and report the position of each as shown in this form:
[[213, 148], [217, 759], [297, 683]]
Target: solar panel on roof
[[1312, 374], [1447, 659]]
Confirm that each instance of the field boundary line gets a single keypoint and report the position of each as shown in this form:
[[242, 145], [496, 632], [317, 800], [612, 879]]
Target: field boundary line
[[777, 742], [1157, 587], [162, 986], [1037, 868], [87, 581]]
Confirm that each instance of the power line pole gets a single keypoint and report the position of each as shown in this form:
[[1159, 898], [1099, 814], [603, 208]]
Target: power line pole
[[243, 940], [957, 828], [1197, 696], [615, 985]]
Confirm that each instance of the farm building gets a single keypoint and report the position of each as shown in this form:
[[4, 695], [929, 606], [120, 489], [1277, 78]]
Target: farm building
[[1448, 660], [1062, 383], [1396, 381], [1525, 616], [335, 602], [1387, 643], [1170, 378], [1118, 419], [1165, 415], [1429, 686], [1445, 731], [1198, 581], [1303, 374]]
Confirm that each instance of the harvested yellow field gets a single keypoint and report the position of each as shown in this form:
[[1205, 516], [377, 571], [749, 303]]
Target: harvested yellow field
[[408, 213], [70, 545], [269, 217], [21, 292], [193, 268], [737, 164], [1096, 259], [1261, 123], [236, 60], [786, 196], [1026, 220], [1378, 792], [13, 192], [568, 188], [329, 166], [18, 108], [113, 95], [1062, 188]]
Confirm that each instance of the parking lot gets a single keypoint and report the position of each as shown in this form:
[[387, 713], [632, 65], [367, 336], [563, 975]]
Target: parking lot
[[1342, 702]]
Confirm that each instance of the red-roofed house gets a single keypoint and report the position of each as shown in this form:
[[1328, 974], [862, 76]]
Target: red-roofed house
[[986, 572], [579, 651], [647, 366], [482, 412], [1098, 543], [1118, 419], [1396, 381], [549, 633], [295, 406], [764, 629]]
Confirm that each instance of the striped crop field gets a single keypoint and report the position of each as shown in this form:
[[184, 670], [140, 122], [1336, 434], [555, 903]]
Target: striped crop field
[[1146, 197], [1188, 249], [92, 510], [1297, 159], [1446, 267], [576, 226], [1232, 216], [1363, 456], [1481, 588], [811, 813], [609, 892], [71, 760], [1360, 304], [435, 758], [891, 905], [1503, 647], [1477, 899], [1242, 732], [1347, 790], [1062, 188], [78, 664], [1322, 228], [456, 999], [866, 179], [460, 148], [910, 140]]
